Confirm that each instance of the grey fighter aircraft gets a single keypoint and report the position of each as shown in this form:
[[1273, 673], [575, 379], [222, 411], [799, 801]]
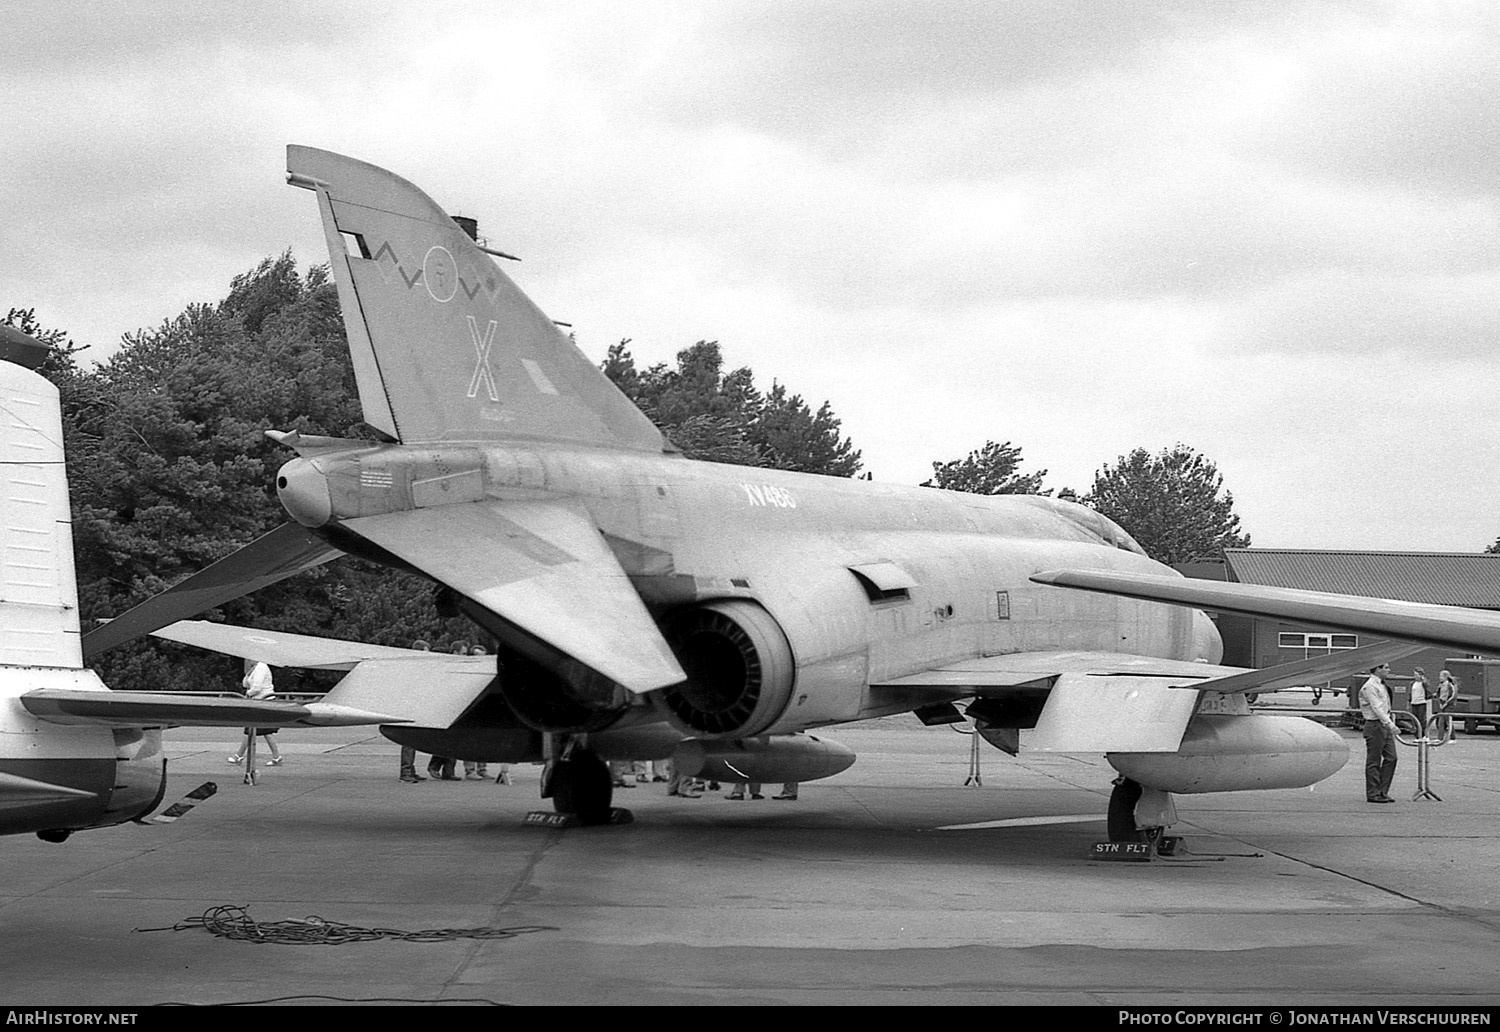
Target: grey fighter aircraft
[[73, 754], [646, 603]]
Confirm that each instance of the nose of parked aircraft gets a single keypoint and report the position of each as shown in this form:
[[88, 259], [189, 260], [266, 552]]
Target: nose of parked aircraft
[[304, 493]]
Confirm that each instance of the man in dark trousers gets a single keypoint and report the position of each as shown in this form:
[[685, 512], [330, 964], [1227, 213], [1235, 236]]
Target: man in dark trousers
[[1380, 735]]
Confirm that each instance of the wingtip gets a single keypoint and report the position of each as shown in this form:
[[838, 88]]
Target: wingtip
[[326, 714]]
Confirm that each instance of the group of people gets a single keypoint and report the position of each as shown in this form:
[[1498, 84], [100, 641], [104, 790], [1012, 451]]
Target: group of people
[[1380, 722], [686, 787], [445, 768]]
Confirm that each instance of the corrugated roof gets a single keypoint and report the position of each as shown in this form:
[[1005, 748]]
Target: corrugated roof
[[1447, 578]]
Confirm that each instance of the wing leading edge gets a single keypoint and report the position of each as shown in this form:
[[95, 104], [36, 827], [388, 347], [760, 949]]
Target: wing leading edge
[[287, 550], [1447, 627], [176, 709]]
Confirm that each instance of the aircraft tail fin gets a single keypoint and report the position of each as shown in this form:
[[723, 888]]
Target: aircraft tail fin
[[38, 594], [444, 345]]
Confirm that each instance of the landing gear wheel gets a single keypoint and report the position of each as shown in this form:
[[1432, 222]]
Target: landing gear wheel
[[1121, 820], [582, 786]]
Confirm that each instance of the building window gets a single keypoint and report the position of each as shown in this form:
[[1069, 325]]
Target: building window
[[1317, 644]]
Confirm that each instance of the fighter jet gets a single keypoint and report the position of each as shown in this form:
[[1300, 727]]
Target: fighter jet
[[73, 754], [645, 603]]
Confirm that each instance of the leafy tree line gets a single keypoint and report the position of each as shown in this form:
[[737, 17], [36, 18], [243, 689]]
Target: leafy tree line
[[722, 417], [1173, 502]]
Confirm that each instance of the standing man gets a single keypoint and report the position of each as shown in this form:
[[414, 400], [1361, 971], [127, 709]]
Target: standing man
[[1380, 735]]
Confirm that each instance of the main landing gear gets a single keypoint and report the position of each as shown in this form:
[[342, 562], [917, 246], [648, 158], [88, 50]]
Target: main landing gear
[[581, 786], [1124, 808], [1121, 820]]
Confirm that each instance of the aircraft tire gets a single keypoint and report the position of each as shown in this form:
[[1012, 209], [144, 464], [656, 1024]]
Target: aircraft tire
[[1121, 819], [583, 787]]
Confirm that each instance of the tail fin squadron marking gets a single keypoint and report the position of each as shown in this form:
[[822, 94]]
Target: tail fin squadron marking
[[422, 302], [482, 361]]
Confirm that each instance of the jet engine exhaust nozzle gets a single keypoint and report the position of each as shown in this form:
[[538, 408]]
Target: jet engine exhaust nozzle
[[304, 493]]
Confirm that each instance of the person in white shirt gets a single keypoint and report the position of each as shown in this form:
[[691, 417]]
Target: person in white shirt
[[258, 684], [1421, 696]]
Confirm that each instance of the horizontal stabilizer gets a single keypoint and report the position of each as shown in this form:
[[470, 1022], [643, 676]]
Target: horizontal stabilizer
[[1445, 627], [431, 692], [280, 648], [543, 568], [289, 549]]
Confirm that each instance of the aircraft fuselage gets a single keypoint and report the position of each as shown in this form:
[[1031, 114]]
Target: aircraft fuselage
[[689, 532]]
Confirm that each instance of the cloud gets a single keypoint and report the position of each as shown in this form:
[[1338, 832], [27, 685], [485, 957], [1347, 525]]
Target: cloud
[[1435, 317], [1083, 228], [1402, 100]]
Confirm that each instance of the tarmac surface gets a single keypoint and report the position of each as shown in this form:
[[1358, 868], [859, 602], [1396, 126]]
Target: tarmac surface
[[849, 895]]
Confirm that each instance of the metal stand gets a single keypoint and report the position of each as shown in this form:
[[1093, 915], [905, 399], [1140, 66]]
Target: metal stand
[[974, 778], [1424, 790], [250, 757], [1424, 745]]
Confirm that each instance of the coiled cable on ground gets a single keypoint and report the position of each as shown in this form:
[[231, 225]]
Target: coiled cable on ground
[[233, 922]]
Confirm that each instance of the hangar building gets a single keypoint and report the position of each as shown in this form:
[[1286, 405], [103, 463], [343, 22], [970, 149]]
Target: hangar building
[[1446, 578]]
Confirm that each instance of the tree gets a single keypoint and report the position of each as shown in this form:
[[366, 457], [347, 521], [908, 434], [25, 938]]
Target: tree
[[990, 470], [170, 470], [1494, 549], [722, 417], [1173, 503], [789, 435]]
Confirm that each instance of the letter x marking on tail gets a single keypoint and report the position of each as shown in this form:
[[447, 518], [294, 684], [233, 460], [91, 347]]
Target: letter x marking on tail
[[482, 361]]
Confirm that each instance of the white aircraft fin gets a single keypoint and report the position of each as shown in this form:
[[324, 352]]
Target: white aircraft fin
[[38, 594]]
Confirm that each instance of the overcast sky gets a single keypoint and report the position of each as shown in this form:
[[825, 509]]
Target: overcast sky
[[1266, 230]]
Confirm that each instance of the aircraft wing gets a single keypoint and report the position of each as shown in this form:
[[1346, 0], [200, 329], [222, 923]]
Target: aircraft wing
[[287, 550], [1446, 627], [431, 689], [1116, 702], [282, 649], [542, 567], [431, 692], [1096, 701], [178, 709]]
